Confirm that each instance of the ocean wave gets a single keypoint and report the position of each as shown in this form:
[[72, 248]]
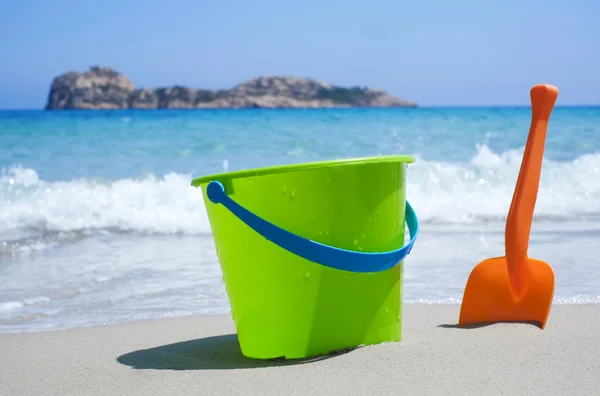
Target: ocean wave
[[481, 189], [153, 205], [474, 191]]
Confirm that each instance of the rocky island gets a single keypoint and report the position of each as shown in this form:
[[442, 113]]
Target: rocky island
[[105, 88]]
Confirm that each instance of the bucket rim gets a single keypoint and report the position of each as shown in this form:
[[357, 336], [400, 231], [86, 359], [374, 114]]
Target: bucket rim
[[275, 169]]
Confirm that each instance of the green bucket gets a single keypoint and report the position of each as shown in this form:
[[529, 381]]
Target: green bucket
[[312, 253]]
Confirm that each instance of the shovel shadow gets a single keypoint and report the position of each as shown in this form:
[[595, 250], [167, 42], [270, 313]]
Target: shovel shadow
[[479, 325], [211, 353]]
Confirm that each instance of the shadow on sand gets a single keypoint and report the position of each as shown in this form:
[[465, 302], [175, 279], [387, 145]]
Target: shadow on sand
[[211, 353], [479, 325]]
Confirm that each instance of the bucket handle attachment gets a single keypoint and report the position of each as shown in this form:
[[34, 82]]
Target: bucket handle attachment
[[342, 259]]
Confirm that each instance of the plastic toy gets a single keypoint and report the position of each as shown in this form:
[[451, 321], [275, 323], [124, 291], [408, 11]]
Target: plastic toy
[[312, 254], [516, 288]]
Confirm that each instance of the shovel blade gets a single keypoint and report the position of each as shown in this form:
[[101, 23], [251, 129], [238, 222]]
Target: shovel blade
[[490, 297]]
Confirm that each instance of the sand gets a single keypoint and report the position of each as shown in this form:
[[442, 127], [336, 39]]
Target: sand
[[200, 355]]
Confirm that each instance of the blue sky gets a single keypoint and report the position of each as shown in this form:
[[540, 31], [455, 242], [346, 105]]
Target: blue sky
[[435, 52]]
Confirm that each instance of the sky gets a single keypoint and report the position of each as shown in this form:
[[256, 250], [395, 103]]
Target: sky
[[433, 52]]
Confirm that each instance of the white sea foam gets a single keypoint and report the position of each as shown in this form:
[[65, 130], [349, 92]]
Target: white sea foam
[[461, 193], [482, 189], [165, 206]]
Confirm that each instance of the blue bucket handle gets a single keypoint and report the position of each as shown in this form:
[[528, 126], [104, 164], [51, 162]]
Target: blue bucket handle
[[342, 259]]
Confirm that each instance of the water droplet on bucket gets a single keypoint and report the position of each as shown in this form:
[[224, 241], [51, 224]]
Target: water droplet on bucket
[[284, 191], [355, 242], [293, 192], [307, 275]]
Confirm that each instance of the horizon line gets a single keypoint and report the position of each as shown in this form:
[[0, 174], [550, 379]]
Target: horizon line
[[462, 106]]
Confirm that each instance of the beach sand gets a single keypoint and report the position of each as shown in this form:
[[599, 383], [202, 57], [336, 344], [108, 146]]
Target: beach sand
[[200, 355]]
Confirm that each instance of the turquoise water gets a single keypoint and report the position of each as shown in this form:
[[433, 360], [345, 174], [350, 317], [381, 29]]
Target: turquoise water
[[98, 223]]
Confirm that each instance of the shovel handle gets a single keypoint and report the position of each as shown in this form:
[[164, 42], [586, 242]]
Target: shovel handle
[[520, 215]]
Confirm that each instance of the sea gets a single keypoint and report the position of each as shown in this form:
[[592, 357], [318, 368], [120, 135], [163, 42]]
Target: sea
[[99, 224]]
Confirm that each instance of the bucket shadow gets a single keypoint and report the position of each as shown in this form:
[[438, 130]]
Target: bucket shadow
[[479, 325], [211, 353]]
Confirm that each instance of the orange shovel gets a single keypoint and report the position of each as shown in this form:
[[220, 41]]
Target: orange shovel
[[516, 288]]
